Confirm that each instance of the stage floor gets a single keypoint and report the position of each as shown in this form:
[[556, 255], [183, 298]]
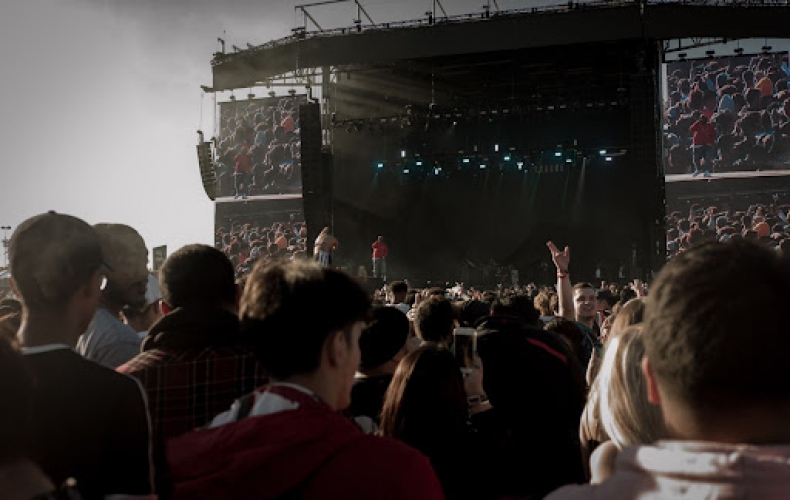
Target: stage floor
[[728, 175], [262, 197]]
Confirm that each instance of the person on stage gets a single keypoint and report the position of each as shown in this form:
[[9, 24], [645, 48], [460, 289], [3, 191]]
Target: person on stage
[[380, 252], [325, 244]]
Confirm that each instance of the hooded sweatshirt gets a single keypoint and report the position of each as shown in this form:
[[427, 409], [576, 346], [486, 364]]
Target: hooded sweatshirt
[[295, 446], [675, 470]]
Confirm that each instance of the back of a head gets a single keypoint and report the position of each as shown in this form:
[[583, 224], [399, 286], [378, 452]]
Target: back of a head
[[543, 303], [632, 313], [290, 308], [51, 256], [399, 288], [434, 320], [384, 337], [198, 276], [626, 415], [716, 329], [519, 306], [426, 397]]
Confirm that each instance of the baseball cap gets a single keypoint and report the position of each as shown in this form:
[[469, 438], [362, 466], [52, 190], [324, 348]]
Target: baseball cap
[[51, 255], [385, 336]]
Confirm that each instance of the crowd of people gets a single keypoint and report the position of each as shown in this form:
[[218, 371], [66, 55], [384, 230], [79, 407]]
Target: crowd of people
[[765, 223], [295, 383], [247, 243], [729, 114], [259, 150]]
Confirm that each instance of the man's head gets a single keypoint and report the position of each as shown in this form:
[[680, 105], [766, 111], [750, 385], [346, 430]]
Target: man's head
[[127, 257], [198, 276], [518, 306], [584, 302], [708, 356], [383, 342], [604, 300], [141, 319], [57, 266], [543, 303], [399, 290], [380, 238], [304, 320], [434, 320]]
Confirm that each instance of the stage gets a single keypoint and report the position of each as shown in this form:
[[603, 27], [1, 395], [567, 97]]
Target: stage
[[727, 175]]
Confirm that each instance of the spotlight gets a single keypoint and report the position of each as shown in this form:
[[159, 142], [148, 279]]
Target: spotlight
[[603, 152], [466, 160], [419, 164], [405, 170], [380, 165], [496, 148], [507, 157], [608, 158], [437, 170], [482, 167], [403, 153], [558, 154], [520, 165]]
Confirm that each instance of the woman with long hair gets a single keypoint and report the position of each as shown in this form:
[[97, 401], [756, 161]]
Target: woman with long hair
[[428, 406]]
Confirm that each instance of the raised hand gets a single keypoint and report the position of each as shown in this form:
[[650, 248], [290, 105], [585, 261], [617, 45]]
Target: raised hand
[[561, 259]]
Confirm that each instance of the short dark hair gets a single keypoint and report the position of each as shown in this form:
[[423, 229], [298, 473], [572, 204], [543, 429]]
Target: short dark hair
[[704, 342], [399, 287], [434, 320], [198, 275], [290, 308], [51, 256], [519, 306]]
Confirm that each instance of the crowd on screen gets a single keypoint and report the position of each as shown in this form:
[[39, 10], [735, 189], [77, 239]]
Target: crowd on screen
[[247, 243], [764, 223], [728, 114], [296, 383], [259, 150]]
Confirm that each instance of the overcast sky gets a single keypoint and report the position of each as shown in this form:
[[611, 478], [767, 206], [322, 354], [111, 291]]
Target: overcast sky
[[100, 101]]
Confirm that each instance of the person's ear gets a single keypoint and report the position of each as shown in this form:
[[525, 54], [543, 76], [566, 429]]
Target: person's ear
[[653, 395], [166, 309], [336, 348]]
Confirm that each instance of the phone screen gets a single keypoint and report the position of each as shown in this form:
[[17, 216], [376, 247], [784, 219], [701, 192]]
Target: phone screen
[[465, 347]]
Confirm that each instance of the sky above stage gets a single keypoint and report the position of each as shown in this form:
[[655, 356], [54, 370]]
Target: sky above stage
[[100, 102]]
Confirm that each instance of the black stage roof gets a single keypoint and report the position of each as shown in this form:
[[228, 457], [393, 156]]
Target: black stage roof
[[571, 24]]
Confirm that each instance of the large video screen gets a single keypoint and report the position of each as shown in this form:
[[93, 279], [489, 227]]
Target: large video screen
[[259, 148], [726, 139], [248, 231]]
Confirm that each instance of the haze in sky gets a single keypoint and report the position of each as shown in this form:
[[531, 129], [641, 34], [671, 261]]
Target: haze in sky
[[101, 101]]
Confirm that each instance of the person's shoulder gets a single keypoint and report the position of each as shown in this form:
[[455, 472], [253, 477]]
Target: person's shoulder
[[576, 492]]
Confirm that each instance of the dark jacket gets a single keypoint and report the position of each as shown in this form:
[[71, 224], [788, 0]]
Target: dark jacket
[[193, 366], [534, 388]]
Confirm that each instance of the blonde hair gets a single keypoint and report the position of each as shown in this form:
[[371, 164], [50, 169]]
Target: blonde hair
[[626, 416]]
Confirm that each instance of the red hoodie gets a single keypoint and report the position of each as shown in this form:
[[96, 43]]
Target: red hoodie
[[310, 452]]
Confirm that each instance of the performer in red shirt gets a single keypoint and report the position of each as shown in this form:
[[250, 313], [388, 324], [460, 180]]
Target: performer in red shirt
[[703, 144], [380, 252]]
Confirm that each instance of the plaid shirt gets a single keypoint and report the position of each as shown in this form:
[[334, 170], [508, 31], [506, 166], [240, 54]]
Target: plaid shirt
[[187, 388]]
